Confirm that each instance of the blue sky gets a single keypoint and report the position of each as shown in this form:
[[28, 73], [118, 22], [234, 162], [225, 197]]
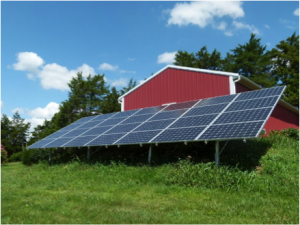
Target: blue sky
[[44, 44]]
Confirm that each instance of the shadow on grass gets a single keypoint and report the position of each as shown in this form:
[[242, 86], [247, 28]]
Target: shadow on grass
[[245, 156]]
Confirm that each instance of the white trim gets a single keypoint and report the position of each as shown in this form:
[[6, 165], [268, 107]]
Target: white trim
[[232, 86], [180, 68], [122, 104]]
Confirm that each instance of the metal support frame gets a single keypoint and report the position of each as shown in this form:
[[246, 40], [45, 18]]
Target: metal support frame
[[149, 154], [217, 155]]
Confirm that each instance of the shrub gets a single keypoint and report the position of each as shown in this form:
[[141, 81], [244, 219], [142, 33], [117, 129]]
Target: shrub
[[16, 157], [3, 156], [26, 158]]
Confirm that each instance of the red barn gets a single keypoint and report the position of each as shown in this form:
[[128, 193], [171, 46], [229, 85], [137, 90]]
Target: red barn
[[180, 84]]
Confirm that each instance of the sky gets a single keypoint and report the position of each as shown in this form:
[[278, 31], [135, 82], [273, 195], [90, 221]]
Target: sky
[[45, 44]]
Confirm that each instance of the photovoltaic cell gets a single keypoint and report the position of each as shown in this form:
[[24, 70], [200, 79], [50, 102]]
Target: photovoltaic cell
[[243, 116], [179, 134], [252, 104], [88, 125], [168, 114], [182, 105], [105, 116], [79, 141], [137, 119], [151, 110], [205, 110], [125, 114], [155, 125], [231, 131], [57, 134], [97, 130], [194, 121], [112, 122], [124, 128], [138, 137], [58, 142], [215, 100], [75, 133], [260, 93], [105, 139], [86, 119], [41, 143]]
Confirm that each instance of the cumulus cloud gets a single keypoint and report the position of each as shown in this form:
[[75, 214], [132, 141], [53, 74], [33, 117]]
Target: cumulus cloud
[[167, 58], [122, 82], [221, 26], [296, 12], [19, 110], [109, 67], [45, 113], [28, 61], [51, 76], [267, 26], [203, 13], [34, 122], [228, 33], [240, 25]]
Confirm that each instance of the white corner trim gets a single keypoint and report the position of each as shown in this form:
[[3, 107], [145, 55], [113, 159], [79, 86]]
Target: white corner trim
[[122, 104], [181, 68], [232, 86]]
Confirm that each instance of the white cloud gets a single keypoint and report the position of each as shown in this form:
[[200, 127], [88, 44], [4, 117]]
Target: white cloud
[[19, 110], [228, 33], [51, 76], [288, 23], [28, 61], [109, 67], [130, 59], [86, 70], [240, 25], [203, 13], [222, 26], [34, 122], [167, 57], [45, 113], [268, 44], [296, 12], [2, 105], [122, 82], [267, 26]]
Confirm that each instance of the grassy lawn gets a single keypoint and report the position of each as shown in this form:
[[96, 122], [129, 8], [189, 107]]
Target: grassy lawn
[[81, 193]]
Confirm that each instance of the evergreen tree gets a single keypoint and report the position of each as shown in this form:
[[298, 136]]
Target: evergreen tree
[[111, 103], [14, 133], [251, 60], [183, 58], [286, 67]]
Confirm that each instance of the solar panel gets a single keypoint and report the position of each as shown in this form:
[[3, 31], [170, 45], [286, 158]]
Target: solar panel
[[235, 116]]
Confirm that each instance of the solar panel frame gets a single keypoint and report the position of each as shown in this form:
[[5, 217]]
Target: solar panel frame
[[236, 100]]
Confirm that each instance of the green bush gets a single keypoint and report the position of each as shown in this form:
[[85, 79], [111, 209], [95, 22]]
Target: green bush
[[16, 157], [3, 156], [26, 158]]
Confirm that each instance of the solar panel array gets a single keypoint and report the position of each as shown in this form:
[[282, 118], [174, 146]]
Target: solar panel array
[[227, 117]]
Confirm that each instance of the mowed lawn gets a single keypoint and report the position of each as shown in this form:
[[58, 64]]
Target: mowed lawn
[[78, 193]]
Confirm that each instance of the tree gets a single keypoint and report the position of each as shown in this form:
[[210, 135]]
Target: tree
[[111, 103], [202, 59], [286, 67], [14, 133], [251, 60]]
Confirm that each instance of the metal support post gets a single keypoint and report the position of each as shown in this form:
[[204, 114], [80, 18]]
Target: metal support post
[[217, 156], [149, 154], [88, 153]]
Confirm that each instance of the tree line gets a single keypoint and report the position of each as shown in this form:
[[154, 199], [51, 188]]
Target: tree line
[[93, 96], [267, 68]]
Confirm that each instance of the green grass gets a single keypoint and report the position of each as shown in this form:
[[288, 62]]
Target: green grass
[[182, 192]]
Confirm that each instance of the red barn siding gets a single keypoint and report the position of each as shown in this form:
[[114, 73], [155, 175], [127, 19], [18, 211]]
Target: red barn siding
[[281, 118], [239, 88], [174, 85]]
